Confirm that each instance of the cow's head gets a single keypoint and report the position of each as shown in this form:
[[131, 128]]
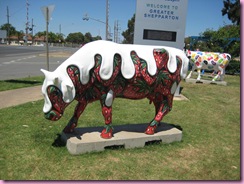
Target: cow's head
[[226, 56], [58, 92]]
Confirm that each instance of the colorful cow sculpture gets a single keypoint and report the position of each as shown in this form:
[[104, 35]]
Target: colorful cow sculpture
[[210, 61], [103, 70]]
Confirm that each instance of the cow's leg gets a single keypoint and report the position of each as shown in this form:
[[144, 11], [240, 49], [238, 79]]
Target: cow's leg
[[198, 74], [106, 102], [192, 70], [162, 108], [220, 74], [74, 120], [189, 75]]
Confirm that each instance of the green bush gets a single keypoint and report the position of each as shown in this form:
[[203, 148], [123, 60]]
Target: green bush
[[233, 67]]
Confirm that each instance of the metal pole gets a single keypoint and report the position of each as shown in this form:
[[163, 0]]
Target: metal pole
[[27, 22], [8, 26], [32, 32], [47, 12], [107, 19]]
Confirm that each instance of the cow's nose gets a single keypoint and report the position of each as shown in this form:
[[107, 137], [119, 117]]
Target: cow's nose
[[53, 115]]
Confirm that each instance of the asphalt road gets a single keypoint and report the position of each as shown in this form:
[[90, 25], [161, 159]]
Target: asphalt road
[[24, 61]]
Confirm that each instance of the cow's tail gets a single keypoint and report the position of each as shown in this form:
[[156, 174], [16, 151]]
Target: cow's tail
[[184, 67], [172, 63]]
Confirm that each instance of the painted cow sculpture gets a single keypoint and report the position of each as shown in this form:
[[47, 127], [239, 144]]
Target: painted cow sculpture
[[103, 70], [210, 61]]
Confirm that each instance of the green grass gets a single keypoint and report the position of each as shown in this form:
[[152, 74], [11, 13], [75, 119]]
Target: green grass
[[209, 150], [20, 83]]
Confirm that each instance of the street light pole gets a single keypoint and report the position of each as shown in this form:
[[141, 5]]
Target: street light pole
[[107, 13], [47, 49], [8, 26], [108, 30]]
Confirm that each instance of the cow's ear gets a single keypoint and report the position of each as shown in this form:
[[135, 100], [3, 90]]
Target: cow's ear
[[228, 57]]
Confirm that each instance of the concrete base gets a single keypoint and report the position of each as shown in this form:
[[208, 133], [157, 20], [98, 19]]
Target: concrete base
[[202, 81], [180, 98], [85, 140]]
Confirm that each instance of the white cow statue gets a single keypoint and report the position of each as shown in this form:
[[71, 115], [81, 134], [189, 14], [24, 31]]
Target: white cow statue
[[103, 70], [210, 61]]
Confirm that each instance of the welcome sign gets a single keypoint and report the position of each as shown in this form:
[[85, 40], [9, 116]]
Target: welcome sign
[[160, 22]]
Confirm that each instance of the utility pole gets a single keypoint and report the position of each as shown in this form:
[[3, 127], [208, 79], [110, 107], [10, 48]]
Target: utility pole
[[60, 29], [60, 36], [116, 31], [27, 22], [32, 26], [8, 26], [47, 49]]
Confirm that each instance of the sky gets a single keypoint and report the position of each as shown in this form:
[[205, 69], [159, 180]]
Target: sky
[[67, 15]]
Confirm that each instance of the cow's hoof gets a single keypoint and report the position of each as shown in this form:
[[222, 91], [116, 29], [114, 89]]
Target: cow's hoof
[[107, 135], [150, 130]]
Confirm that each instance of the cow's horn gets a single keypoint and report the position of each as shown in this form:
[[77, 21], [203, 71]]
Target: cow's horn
[[45, 72]]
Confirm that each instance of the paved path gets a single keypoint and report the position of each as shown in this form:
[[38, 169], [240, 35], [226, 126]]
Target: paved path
[[20, 96]]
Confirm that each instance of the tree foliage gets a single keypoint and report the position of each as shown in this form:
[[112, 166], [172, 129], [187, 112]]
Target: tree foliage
[[129, 33], [52, 37], [232, 10], [79, 38], [10, 28], [225, 39], [75, 38]]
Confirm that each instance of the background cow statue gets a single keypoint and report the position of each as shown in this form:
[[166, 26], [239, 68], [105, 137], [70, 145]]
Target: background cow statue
[[210, 61], [103, 70]]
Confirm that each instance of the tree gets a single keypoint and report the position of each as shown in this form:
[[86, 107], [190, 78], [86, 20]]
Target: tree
[[129, 33], [88, 37], [225, 37], [97, 38], [52, 37], [20, 35], [222, 40], [75, 38], [10, 28], [60, 37], [232, 10]]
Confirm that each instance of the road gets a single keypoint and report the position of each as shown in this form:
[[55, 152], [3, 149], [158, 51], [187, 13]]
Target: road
[[24, 61]]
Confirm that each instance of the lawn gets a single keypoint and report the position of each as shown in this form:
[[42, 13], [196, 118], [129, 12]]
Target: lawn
[[20, 83], [209, 150]]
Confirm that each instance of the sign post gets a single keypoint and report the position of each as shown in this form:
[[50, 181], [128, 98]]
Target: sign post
[[47, 11]]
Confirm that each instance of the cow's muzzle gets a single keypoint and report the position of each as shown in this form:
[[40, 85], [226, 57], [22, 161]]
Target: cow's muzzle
[[53, 115]]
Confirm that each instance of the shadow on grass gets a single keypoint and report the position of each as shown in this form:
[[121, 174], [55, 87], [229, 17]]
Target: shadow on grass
[[22, 81], [139, 128]]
